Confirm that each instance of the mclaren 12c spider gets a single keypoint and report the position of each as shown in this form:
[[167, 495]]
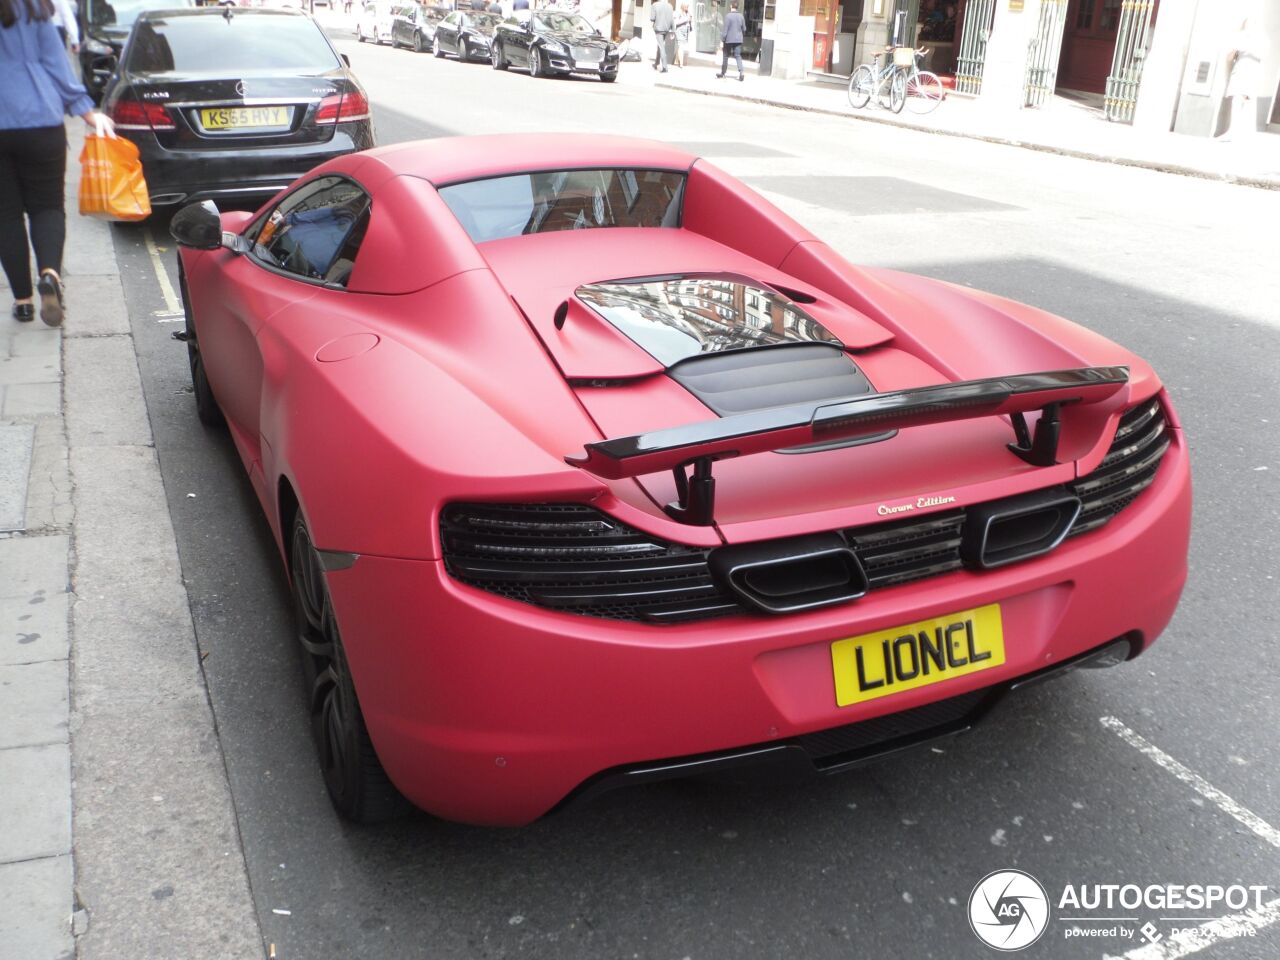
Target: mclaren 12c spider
[[591, 467]]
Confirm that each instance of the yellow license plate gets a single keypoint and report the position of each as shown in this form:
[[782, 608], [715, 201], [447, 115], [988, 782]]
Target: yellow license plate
[[930, 651], [244, 118]]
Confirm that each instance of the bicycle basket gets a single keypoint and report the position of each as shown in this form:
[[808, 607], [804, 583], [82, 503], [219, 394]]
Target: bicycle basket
[[903, 56]]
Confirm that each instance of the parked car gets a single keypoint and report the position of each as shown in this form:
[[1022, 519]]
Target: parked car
[[553, 42], [104, 26], [375, 22], [234, 103], [589, 466], [414, 24], [465, 34]]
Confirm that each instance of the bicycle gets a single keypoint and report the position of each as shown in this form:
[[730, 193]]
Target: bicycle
[[870, 80], [907, 83], [924, 91]]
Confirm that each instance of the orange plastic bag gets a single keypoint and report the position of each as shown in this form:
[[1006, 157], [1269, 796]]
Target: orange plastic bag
[[111, 183]]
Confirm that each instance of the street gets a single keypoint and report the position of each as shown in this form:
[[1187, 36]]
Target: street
[[875, 863]]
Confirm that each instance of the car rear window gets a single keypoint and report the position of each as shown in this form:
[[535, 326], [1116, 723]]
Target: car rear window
[[235, 44], [551, 200]]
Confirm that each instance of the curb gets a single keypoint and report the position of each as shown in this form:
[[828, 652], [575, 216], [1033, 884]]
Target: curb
[[1262, 183]]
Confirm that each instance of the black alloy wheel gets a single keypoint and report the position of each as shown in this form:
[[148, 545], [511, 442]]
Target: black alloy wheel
[[207, 408], [358, 786], [495, 57]]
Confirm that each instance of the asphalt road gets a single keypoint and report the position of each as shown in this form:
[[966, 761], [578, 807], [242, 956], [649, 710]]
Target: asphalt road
[[878, 863]]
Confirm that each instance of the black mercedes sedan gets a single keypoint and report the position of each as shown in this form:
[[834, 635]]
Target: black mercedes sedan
[[233, 103], [466, 34], [553, 42]]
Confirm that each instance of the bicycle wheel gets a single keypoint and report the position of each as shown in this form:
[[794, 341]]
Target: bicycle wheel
[[898, 91], [924, 92], [861, 85]]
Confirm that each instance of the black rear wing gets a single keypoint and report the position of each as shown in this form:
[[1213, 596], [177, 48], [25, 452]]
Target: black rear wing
[[700, 444]]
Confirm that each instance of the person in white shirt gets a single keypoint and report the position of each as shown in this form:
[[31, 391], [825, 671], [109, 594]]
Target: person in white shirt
[[64, 18]]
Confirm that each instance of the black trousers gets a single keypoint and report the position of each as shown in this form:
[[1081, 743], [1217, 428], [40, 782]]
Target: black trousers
[[33, 166]]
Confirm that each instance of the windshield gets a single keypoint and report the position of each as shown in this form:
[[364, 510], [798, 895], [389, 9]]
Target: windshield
[[563, 23], [122, 13], [566, 200], [228, 45], [484, 22]]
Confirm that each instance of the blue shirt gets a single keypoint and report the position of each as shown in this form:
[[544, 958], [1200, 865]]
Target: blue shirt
[[35, 76]]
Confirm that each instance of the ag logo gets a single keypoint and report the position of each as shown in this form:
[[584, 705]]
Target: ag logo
[[1008, 910]]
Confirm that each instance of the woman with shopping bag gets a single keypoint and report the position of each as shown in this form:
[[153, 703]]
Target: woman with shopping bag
[[39, 90]]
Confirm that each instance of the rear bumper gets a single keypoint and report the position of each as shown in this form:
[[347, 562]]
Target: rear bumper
[[255, 173], [491, 711]]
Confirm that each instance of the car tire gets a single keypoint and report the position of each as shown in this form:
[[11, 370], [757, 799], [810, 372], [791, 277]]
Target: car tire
[[436, 48], [207, 409], [608, 77], [536, 66], [358, 786], [417, 42], [359, 34], [495, 57]]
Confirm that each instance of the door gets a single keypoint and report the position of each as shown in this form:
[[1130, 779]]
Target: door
[[302, 248], [1088, 44]]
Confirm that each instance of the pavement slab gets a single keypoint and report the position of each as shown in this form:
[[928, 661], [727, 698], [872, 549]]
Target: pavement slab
[[33, 704], [104, 396], [16, 444], [36, 806], [35, 910]]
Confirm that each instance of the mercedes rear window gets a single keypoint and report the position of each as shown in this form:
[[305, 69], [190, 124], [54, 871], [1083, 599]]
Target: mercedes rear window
[[229, 45], [552, 200]]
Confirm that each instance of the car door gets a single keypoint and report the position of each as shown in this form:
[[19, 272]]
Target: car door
[[516, 38], [301, 250], [448, 31], [399, 20]]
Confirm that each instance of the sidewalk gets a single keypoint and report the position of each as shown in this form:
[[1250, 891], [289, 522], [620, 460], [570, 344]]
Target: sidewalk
[[1062, 126], [119, 837]]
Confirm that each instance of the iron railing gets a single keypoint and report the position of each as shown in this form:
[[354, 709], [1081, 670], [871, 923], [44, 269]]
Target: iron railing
[[1133, 40], [973, 46], [1043, 53]]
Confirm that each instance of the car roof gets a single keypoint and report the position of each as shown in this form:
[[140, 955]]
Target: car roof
[[220, 12], [447, 160]]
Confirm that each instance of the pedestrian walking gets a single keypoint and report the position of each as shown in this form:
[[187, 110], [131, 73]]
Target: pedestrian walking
[[731, 35], [663, 19], [64, 18], [1248, 48], [39, 89], [519, 5], [684, 33]]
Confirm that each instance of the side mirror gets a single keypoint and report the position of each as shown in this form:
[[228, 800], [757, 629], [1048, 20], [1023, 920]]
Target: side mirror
[[198, 225], [346, 60]]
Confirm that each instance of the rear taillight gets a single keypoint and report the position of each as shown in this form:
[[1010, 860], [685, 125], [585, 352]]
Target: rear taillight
[[135, 115], [353, 105]]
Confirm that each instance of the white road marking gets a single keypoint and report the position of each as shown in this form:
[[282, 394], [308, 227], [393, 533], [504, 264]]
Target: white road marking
[[1193, 940], [1246, 924], [1195, 781], [171, 302]]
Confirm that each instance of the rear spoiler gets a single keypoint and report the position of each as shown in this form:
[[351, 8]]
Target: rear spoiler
[[700, 444]]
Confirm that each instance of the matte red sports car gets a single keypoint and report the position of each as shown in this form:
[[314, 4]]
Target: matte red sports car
[[591, 467]]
